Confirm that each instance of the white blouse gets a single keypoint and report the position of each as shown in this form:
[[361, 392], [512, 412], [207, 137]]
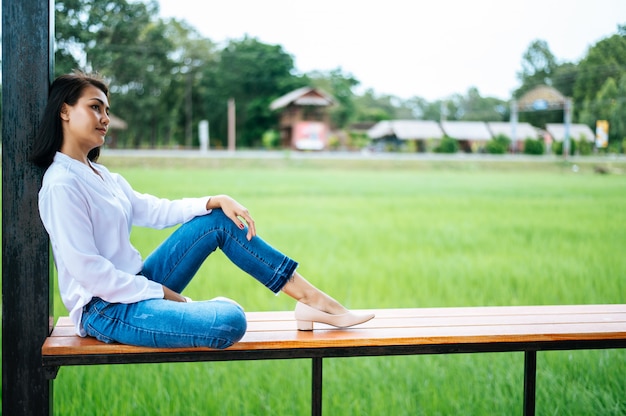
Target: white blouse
[[89, 218]]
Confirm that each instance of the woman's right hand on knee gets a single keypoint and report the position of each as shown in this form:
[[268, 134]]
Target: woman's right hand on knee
[[235, 211]]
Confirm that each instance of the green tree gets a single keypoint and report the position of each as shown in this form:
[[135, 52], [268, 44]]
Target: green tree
[[473, 107], [124, 42], [616, 117], [599, 108], [608, 104], [253, 73], [140, 95], [340, 86], [606, 59], [370, 107], [422, 109], [601, 85], [186, 100], [538, 67], [70, 35], [564, 78]]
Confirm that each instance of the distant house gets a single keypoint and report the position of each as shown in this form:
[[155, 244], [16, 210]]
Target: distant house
[[523, 131], [396, 131], [304, 120], [576, 132], [115, 125], [471, 135]]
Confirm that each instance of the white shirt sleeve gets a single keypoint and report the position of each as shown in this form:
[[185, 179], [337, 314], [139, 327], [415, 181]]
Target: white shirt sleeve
[[66, 216], [153, 212]]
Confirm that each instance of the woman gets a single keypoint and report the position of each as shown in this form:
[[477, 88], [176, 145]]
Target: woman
[[110, 291]]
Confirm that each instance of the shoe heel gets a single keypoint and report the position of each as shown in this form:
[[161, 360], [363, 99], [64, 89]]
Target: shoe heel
[[305, 325]]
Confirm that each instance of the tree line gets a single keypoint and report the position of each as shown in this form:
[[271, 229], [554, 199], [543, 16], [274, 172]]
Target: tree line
[[165, 77]]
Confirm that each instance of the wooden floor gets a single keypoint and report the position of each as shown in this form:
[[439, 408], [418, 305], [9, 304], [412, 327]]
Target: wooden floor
[[395, 327]]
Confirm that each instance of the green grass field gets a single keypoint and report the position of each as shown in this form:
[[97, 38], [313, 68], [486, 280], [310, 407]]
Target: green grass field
[[386, 235]]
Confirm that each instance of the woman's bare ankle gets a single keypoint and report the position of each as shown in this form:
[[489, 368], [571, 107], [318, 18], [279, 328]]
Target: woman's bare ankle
[[303, 291], [324, 303]]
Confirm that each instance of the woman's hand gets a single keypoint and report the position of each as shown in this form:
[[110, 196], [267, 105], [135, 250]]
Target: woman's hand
[[169, 294], [235, 211]]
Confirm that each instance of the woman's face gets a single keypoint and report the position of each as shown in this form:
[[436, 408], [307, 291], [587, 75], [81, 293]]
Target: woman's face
[[85, 123]]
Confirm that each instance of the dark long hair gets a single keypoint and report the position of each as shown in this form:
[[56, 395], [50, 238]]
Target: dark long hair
[[66, 89]]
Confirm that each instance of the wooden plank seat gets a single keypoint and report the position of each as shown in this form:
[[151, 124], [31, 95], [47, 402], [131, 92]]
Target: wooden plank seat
[[273, 335]]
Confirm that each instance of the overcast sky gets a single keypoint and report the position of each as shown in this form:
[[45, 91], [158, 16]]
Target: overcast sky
[[407, 48]]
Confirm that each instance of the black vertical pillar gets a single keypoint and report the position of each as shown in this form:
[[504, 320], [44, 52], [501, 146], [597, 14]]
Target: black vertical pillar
[[27, 62], [530, 382], [317, 384]]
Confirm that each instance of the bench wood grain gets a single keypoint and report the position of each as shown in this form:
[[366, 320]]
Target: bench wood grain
[[391, 328], [273, 335]]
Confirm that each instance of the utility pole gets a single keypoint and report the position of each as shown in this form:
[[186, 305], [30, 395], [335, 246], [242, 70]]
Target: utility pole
[[514, 120], [189, 112], [231, 124]]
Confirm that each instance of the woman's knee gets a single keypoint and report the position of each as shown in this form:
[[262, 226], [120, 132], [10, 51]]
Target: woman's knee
[[217, 221], [232, 320], [215, 217]]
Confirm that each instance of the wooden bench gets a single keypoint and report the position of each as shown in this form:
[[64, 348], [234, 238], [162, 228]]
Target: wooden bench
[[273, 335]]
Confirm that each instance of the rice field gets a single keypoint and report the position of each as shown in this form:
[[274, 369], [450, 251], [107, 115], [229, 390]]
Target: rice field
[[390, 235]]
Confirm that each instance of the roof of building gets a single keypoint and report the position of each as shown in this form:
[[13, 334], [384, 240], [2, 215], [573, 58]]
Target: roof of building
[[470, 130], [116, 123], [466, 130], [576, 131], [542, 97], [522, 130], [303, 96], [406, 129]]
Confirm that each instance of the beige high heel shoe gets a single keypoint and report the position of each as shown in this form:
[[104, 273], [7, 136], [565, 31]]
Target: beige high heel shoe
[[306, 315]]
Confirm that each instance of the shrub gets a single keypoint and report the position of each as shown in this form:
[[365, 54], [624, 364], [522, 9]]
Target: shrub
[[585, 148], [614, 148], [534, 147], [557, 147], [498, 145], [447, 145], [357, 140], [271, 139], [333, 142]]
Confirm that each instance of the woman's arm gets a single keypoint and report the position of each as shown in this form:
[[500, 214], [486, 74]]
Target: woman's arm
[[169, 294], [154, 212]]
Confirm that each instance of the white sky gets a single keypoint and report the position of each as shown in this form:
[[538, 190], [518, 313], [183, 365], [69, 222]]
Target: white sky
[[407, 48]]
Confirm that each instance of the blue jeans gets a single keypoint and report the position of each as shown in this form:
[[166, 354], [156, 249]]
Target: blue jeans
[[217, 323]]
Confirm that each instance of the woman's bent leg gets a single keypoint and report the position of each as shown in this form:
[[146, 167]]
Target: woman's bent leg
[[162, 323], [175, 262]]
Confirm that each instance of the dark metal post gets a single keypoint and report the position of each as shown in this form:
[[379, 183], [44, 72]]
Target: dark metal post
[[316, 393], [27, 62], [530, 380]]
